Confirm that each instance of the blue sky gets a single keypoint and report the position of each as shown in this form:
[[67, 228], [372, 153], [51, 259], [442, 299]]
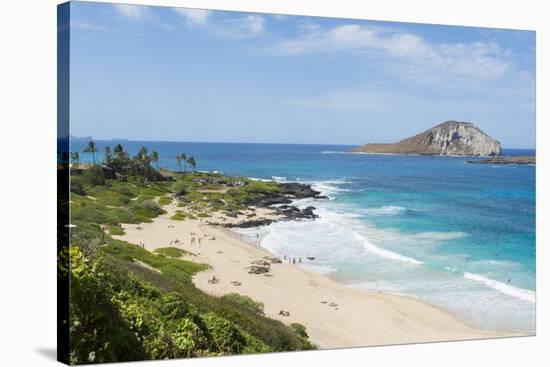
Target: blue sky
[[176, 74]]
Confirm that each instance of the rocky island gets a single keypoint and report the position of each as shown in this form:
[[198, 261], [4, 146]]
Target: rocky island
[[448, 138]]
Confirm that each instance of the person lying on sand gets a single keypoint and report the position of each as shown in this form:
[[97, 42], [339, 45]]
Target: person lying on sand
[[236, 283], [213, 280], [284, 313]]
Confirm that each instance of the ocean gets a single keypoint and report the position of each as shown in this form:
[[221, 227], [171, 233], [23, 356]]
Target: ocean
[[457, 235]]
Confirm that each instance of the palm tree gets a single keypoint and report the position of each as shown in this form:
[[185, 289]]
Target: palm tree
[[155, 158], [192, 163], [142, 154], [75, 157], [119, 149], [107, 156], [184, 159], [91, 148], [178, 160]]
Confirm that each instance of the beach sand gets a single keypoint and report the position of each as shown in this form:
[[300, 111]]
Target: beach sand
[[355, 318]]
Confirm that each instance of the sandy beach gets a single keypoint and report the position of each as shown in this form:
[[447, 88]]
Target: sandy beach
[[334, 315]]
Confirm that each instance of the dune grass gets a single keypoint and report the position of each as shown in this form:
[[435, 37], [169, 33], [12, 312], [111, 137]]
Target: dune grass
[[172, 252]]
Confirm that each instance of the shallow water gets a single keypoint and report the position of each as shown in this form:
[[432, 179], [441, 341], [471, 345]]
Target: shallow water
[[461, 236]]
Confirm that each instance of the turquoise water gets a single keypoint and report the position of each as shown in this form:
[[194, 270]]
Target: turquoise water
[[458, 235]]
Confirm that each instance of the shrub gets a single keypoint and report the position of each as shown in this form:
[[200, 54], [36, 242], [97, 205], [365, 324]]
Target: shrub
[[180, 188], [255, 345], [116, 230], [226, 338], [165, 200], [299, 329], [77, 186], [93, 176], [188, 338], [147, 209], [173, 306], [170, 251], [179, 216], [246, 301]]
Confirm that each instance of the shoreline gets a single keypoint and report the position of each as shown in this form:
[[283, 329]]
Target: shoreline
[[335, 315]]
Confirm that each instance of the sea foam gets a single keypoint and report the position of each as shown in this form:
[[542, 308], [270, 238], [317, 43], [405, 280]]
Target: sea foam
[[509, 290], [385, 253], [386, 210]]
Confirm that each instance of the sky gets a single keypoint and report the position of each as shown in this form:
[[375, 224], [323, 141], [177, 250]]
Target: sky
[[177, 74]]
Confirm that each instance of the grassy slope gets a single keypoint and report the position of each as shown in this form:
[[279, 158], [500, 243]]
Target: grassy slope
[[140, 300]]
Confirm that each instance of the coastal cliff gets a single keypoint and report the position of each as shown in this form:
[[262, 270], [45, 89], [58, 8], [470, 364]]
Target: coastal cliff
[[448, 138]]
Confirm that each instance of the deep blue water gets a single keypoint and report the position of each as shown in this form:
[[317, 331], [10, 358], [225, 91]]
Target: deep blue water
[[459, 235]]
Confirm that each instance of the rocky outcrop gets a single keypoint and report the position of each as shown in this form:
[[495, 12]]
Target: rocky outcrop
[[448, 138], [250, 223], [507, 160], [282, 197]]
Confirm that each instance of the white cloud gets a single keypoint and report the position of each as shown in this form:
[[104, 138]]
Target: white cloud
[[87, 26], [485, 60], [193, 17], [280, 16], [308, 26], [133, 12], [243, 27], [355, 100]]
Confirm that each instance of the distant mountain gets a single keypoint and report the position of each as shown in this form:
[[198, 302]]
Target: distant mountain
[[81, 138], [448, 138]]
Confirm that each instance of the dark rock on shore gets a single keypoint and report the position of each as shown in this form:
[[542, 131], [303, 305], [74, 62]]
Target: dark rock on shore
[[250, 223], [257, 269], [272, 200], [286, 193], [292, 212], [300, 191]]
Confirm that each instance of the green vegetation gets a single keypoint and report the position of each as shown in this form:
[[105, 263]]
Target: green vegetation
[[245, 301], [165, 200], [116, 230], [128, 303], [172, 252], [299, 329]]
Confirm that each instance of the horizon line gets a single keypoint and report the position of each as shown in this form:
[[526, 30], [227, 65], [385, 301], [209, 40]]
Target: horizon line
[[235, 142]]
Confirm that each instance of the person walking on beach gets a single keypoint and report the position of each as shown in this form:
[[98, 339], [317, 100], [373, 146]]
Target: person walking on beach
[[294, 261]]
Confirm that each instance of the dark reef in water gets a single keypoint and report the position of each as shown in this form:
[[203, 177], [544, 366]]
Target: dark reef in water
[[507, 160]]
